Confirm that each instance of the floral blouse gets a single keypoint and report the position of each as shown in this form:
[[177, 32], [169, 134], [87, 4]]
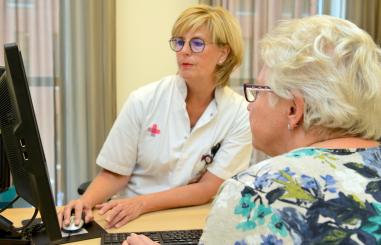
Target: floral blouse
[[307, 196]]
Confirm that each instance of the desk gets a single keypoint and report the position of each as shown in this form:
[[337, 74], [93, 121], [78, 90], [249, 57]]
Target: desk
[[178, 218]]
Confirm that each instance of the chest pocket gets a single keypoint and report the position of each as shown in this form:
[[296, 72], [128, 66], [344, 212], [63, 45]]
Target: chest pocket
[[206, 160]]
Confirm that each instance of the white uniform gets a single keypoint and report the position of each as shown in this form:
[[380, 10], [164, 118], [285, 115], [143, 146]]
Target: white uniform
[[151, 140]]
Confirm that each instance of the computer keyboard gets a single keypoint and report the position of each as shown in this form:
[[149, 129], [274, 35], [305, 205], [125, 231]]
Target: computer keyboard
[[174, 237]]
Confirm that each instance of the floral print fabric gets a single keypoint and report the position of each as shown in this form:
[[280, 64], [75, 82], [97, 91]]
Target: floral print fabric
[[307, 196]]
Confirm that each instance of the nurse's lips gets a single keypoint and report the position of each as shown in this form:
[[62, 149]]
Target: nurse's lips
[[186, 65]]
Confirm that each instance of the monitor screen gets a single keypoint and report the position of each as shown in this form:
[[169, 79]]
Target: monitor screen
[[22, 142]]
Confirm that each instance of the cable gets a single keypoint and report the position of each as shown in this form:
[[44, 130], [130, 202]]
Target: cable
[[10, 203], [30, 221]]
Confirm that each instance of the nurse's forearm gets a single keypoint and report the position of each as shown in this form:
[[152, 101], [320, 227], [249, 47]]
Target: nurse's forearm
[[104, 185], [189, 195]]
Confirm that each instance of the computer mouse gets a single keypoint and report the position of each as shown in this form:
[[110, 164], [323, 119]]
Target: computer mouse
[[72, 227]]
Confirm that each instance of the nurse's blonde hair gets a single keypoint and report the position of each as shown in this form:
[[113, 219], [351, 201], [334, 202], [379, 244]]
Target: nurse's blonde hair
[[224, 30]]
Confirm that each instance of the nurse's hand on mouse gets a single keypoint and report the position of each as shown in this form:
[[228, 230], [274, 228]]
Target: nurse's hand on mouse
[[72, 227], [79, 208]]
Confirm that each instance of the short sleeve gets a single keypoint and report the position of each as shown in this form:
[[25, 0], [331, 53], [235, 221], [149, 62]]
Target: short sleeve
[[119, 152]]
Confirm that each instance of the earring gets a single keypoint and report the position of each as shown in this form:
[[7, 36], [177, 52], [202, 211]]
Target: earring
[[289, 127]]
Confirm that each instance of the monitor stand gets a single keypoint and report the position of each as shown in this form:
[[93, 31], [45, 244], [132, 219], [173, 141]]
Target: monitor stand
[[8, 235]]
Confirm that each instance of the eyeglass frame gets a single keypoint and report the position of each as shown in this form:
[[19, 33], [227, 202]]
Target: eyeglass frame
[[256, 88], [189, 43]]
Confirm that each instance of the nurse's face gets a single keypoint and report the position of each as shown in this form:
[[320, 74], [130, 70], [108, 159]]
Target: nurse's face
[[197, 57]]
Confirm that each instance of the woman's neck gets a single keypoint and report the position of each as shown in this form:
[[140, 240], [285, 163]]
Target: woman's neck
[[345, 142], [201, 93]]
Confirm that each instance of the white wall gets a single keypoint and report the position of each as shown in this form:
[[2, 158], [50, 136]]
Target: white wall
[[143, 28]]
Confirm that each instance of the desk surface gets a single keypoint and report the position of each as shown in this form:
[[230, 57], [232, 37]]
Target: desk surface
[[172, 219]]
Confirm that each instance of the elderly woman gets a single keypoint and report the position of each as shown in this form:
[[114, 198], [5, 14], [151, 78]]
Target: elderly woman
[[316, 108]]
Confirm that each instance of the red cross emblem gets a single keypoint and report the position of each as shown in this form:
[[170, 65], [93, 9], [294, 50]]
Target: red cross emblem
[[154, 130]]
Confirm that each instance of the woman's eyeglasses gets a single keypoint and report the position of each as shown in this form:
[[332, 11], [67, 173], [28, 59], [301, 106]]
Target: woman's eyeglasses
[[251, 91], [196, 44]]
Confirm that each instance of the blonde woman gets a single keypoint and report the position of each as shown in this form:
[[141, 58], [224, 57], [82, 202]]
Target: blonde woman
[[176, 140]]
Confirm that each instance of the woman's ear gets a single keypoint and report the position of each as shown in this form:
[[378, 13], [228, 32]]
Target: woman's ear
[[225, 50], [296, 112]]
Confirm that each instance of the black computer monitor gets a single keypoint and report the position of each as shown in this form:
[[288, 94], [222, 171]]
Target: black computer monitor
[[22, 142]]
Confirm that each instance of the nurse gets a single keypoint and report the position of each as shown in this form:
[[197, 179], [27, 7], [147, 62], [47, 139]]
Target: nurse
[[177, 139]]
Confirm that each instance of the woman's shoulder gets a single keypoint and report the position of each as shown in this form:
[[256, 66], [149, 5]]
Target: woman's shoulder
[[227, 95], [232, 104], [155, 87], [305, 161], [150, 94]]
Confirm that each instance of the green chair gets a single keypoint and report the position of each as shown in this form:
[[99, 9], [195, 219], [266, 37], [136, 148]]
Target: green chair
[[7, 196]]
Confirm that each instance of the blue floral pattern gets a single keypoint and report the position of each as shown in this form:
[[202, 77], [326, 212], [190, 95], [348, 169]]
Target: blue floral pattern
[[307, 196], [373, 224], [271, 240]]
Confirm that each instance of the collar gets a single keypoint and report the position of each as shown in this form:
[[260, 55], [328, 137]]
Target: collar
[[183, 89]]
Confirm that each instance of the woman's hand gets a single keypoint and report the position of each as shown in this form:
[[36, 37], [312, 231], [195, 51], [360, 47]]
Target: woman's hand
[[118, 212], [134, 239], [81, 211]]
